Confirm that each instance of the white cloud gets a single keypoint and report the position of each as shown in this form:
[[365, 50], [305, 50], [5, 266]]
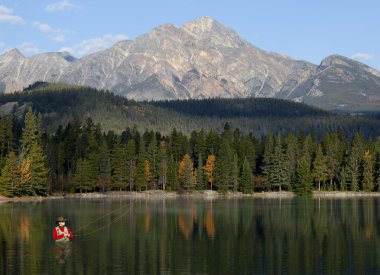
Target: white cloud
[[93, 45], [28, 48], [362, 56], [61, 6], [42, 27], [54, 34], [7, 16]]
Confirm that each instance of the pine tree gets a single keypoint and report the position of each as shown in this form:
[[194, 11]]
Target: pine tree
[[246, 181], [268, 157], [10, 176], [334, 148], [104, 179], [200, 179], [172, 174], [152, 157], [303, 180], [140, 168], [30, 133], [278, 171], [291, 156], [354, 161], [82, 177], [377, 164], [368, 183], [163, 165], [148, 175], [223, 167], [119, 167], [235, 173], [131, 162], [319, 171], [247, 150], [209, 169], [39, 170]]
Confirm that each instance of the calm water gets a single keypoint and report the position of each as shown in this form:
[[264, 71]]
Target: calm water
[[187, 236]]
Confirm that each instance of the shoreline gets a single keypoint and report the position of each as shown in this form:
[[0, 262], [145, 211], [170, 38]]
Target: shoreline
[[207, 195]]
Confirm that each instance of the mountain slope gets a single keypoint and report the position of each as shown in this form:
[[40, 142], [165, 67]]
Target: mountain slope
[[61, 103], [201, 59]]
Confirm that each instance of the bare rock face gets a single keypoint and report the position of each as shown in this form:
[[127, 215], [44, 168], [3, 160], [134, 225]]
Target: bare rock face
[[200, 59]]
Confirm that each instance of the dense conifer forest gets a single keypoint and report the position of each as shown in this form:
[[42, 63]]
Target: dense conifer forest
[[82, 157], [61, 103]]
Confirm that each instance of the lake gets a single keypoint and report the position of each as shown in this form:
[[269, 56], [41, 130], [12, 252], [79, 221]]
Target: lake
[[193, 236]]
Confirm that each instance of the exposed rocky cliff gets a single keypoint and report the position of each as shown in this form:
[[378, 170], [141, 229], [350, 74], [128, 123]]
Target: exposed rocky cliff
[[200, 59]]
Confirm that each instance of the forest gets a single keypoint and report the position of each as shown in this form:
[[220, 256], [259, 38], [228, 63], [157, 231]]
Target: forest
[[61, 103], [83, 157]]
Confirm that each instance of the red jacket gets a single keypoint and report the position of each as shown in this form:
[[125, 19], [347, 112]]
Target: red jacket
[[59, 233]]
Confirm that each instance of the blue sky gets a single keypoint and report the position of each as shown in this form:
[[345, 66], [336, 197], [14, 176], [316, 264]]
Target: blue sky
[[308, 30]]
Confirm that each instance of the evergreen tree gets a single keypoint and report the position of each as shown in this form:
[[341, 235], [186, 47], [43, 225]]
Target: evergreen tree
[[82, 178], [268, 157], [119, 167], [246, 181], [368, 183], [30, 133], [10, 177], [303, 180], [291, 156], [334, 148], [140, 168], [319, 171], [377, 163], [223, 167], [235, 173], [354, 161], [247, 150], [104, 179], [39, 170], [343, 178], [172, 174], [278, 167], [131, 162], [163, 166], [152, 157], [200, 180]]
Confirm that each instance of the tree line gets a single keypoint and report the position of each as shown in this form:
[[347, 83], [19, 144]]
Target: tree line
[[81, 157]]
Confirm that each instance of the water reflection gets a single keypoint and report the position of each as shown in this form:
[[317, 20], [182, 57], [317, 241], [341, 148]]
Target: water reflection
[[298, 236]]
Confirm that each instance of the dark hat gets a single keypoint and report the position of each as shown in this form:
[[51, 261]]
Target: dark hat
[[61, 219]]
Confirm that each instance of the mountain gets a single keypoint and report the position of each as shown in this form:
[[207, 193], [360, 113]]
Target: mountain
[[201, 59]]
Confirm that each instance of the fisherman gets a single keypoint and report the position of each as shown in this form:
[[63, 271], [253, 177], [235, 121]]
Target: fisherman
[[61, 232]]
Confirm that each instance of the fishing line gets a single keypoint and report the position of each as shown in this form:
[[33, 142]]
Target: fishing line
[[100, 228], [101, 217]]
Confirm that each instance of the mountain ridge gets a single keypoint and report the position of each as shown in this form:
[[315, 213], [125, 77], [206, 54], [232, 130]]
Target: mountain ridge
[[200, 59]]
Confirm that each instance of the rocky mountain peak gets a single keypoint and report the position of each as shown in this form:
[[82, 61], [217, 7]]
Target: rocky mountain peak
[[336, 60], [13, 54], [342, 61]]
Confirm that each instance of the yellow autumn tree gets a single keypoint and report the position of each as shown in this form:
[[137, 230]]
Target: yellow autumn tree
[[209, 168], [186, 174], [148, 175]]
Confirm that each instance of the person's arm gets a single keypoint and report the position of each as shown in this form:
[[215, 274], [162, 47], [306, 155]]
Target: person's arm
[[56, 236], [70, 234]]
